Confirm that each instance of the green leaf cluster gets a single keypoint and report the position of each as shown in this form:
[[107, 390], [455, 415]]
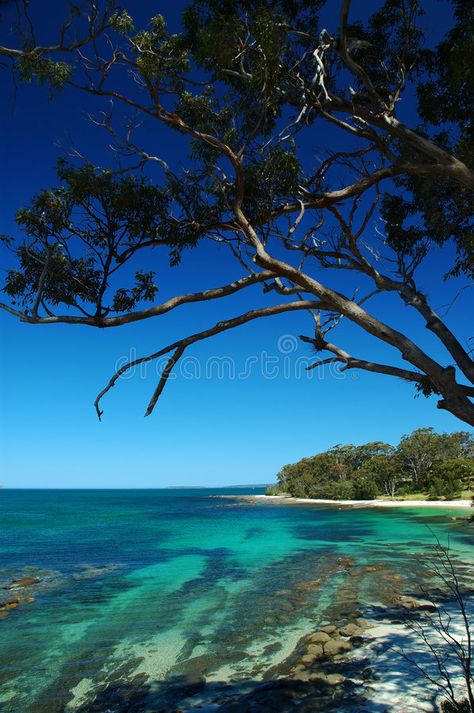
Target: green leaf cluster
[[34, 66], [81, 233]]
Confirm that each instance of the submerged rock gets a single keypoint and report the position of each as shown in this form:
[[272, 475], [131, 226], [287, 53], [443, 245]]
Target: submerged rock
[[11, 603], [410, 603], [320, 637], [23, 582], [92, 571], [373, 568], [329, 629]]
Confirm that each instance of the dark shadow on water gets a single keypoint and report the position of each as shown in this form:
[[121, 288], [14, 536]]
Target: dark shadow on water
[[180, 693], [252, 532], [331, 533]]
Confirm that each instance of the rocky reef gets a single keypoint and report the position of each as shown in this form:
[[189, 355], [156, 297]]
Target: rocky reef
[[30, 582]]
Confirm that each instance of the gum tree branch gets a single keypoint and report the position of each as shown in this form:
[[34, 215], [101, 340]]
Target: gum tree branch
[[444, 163], [41, 282], [352, 65], [409, 294], [97, 24], [350, 362], [443, 379], [179, 346], [155, 311]]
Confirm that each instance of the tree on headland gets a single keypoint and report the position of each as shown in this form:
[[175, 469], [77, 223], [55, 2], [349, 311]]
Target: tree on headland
[[249, 86], [418, 452], [384, 471], [380, 469]]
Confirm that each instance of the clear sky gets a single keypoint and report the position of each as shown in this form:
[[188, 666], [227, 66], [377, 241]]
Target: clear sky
[[210, 428]]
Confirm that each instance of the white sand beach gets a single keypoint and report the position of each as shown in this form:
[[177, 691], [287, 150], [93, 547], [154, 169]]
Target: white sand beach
[[284, 499]]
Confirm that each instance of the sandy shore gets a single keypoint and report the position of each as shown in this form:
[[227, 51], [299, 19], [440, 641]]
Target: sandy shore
[[284, 500], [399, 684]]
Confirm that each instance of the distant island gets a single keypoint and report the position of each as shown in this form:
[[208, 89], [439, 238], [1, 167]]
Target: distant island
[[425, 465]]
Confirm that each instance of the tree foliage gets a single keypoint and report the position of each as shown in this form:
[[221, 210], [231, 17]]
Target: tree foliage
[[435, 464], [300, 162]]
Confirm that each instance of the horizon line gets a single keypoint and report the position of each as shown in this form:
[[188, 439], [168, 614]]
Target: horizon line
[[163, 487]]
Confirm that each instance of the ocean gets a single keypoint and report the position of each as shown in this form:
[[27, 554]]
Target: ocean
[[146, 598]]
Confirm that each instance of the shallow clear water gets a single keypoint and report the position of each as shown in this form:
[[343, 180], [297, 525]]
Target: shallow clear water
[[153, 587]]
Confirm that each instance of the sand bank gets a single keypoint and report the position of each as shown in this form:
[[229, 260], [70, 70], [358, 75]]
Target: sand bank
[[285, 500]]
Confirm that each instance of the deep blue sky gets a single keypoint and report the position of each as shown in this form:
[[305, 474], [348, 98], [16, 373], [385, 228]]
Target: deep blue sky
[[206, 430]]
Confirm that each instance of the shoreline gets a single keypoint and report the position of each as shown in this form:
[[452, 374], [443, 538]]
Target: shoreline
[[288, 500]]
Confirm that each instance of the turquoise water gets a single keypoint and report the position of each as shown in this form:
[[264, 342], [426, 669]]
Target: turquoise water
[[141, 589]]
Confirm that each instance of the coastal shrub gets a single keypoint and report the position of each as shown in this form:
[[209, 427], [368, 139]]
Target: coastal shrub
[[365, 489], [404, 490], [272, 490], [346, 490], [445, 488], [343, 490]]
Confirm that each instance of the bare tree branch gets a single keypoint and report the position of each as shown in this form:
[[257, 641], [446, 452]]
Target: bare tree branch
[[179, 346], [96, 23], [351, 63]]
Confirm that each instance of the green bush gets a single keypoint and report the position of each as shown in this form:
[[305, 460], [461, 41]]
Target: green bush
[[405, 490], [345, 490], [365, 489], [273, 489], [445, 488], [340, 490]]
